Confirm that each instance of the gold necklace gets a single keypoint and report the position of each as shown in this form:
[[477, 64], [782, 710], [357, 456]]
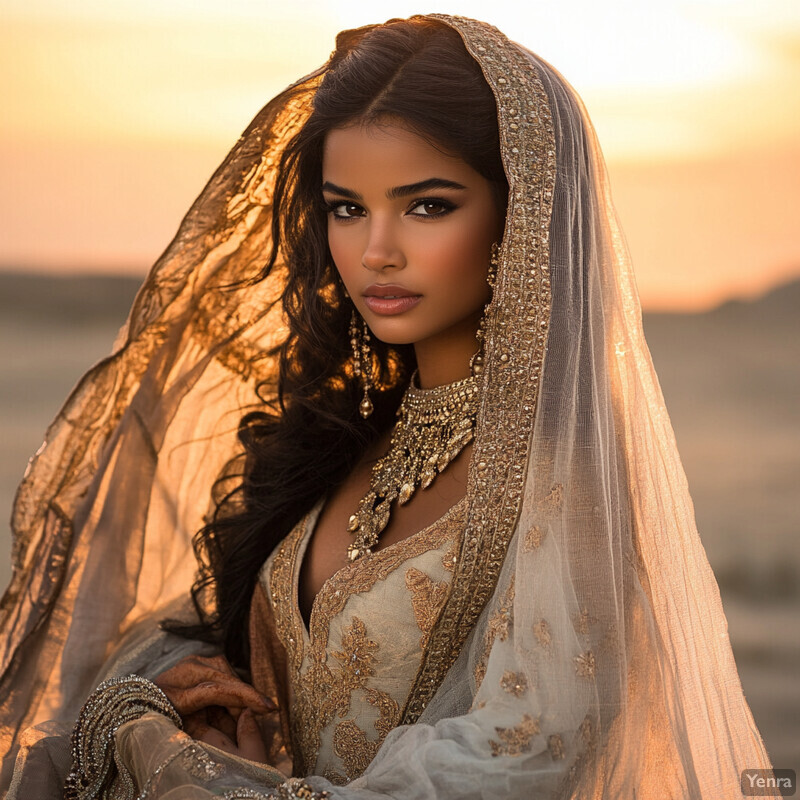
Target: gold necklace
[[433, 426]]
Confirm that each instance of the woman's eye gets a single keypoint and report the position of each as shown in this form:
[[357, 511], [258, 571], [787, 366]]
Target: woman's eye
[[345, 210], [431, 208]]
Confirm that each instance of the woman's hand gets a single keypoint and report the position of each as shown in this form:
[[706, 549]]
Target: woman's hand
[[216, 706]]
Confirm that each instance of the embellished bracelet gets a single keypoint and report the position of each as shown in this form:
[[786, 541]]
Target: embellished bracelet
[[293, 789], [95, 773], [298, 789]]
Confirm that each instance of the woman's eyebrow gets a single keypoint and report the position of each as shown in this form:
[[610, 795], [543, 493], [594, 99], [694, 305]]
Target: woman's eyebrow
[[397, 191], [422, 186], [341, 191]]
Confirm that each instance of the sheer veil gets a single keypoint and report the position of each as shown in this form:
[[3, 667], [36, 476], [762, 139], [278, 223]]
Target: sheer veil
[[583, 649]]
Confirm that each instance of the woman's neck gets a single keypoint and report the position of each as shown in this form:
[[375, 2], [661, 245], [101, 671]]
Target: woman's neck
[[445, 358]]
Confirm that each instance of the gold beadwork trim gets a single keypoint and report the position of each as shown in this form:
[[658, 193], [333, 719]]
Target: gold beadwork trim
[[522, 295]]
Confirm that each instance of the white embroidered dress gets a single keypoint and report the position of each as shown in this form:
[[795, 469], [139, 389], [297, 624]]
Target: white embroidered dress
[[351, 671]]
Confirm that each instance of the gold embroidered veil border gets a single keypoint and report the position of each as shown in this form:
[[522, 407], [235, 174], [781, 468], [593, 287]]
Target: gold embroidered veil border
[[583, 649]]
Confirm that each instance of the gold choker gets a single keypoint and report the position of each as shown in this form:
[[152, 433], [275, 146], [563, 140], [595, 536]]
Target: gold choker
[[433, 426]]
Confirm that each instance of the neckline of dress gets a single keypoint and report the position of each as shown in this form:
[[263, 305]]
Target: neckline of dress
[[308, 531]]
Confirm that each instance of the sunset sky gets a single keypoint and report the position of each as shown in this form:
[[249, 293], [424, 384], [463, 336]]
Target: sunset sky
[[116, 113]]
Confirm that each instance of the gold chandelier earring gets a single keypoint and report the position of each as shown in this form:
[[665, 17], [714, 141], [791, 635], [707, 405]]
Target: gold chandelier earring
[[476, 362], [362, 360]]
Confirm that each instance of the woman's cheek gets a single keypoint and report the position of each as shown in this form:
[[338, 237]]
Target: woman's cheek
[[343, 257]]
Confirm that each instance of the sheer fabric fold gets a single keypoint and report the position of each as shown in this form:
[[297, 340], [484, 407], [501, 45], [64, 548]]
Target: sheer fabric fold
[[583, 649]]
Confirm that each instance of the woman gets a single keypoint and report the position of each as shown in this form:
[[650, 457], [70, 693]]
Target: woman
[[541, 620]]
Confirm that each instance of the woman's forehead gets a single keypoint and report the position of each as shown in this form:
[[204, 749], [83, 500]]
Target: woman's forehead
[[387, 153]]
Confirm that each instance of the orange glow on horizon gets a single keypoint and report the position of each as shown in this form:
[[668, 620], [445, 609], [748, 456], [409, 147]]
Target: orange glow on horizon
[[117, 114]]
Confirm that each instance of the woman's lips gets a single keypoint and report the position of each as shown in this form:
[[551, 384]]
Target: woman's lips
[[387, 306]]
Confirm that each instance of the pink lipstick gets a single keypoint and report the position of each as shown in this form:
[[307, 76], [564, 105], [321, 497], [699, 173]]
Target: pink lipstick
[[389, 299]]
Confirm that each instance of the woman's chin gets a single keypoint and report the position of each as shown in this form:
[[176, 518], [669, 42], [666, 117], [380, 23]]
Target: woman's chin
[[396, 339], [395, 331]]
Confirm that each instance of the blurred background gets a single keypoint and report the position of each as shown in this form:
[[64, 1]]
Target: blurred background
[[116, 114]]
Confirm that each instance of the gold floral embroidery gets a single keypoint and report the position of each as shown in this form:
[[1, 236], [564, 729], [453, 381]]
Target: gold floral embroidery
[[388, 711], [513, 364], [581, 621], [322, 690], [336, 778], [533, 539], [587, 730], [323, 693], [502, 619], [500, 624], [350, 743], [610, 641], [555, 744], [357, 657], [498, 628], [427, 597], [584, 664], [238, 353], [514, 683], [553, 501], [542, 632], [517, 740]]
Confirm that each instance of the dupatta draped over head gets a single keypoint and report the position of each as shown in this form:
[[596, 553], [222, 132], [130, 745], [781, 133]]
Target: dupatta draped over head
[[582, 650]]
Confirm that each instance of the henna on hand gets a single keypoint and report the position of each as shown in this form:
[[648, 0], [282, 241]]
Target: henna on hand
[[216, 706]]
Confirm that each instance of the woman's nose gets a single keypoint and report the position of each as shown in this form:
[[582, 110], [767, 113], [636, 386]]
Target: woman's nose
[[382, 248]]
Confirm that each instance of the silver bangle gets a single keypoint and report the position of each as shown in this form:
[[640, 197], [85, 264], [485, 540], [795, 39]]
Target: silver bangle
[[95, 773]]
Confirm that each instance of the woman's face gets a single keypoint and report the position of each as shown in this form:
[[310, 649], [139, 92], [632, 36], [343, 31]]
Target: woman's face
[[405, 215]]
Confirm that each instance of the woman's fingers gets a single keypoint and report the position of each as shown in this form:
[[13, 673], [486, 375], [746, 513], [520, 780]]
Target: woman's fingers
[[216, 706], [246, 742], [248, 737], [205, 733], [195, 724], [196, 682], [234, 696], [194, 669], [221, 719]]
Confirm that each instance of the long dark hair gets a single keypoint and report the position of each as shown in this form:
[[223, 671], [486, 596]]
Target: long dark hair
[[309, 438]]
